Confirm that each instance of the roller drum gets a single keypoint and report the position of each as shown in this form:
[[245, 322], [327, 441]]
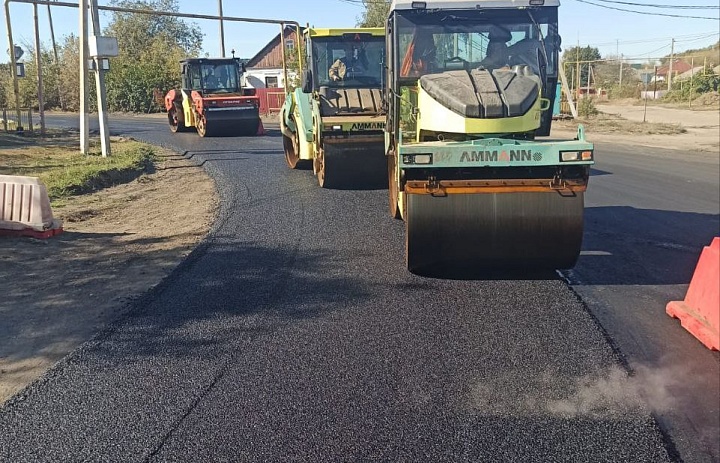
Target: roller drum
[[359, 165], [232, 123], [524, 230]]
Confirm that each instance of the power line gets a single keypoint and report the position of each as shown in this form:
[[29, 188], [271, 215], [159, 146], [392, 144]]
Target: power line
[[672, 7], [679, 38], [646, 12], [698, 38], [654, 51]]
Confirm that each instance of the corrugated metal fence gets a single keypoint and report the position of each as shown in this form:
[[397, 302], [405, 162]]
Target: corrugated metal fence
[[271, 99], [9, 122]]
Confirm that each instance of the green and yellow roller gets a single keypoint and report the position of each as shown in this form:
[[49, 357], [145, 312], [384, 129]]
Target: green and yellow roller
[[470, 89], [336, 119]]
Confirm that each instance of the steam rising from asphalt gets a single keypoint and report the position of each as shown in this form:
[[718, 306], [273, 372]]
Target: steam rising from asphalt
[[614, 392], [608, 393]]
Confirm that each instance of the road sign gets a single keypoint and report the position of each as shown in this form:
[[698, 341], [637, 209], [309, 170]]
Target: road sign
[[18, 52]]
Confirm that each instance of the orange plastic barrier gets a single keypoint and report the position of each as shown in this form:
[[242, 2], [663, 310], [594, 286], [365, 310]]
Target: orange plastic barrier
[[699, 313]]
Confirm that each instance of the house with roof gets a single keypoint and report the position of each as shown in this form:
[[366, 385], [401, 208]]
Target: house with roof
[[264, 71], [679, 66]]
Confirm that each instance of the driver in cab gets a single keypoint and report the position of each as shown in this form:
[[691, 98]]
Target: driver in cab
[[354, 62]]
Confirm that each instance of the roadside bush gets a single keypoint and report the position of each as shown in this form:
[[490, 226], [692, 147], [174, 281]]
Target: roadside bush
[[624, 91], [685, 90], [586, 108]]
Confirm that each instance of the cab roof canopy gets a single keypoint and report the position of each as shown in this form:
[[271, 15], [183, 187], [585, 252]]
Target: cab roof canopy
[[324, 32], [209, 60], [468, 4]]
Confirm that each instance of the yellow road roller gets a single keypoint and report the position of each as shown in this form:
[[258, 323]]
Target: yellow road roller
[[335, 120]]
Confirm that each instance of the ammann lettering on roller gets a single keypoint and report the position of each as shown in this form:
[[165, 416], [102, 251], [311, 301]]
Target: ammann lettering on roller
[[492, 156], [368, 126]]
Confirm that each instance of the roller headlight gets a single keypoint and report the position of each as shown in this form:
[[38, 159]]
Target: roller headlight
[[570, 156], [417, 158]]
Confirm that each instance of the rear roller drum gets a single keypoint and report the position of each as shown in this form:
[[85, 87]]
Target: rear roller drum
[[292, 152], [176, 120], [485, 232]]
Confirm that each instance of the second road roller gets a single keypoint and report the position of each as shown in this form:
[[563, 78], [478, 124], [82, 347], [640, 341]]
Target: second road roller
[[470, 87], [213, 99], [336, 119]]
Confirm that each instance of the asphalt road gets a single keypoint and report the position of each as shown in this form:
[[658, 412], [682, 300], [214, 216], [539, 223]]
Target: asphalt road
[[294, 333]]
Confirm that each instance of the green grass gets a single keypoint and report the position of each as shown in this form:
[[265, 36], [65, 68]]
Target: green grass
[[65, 172]]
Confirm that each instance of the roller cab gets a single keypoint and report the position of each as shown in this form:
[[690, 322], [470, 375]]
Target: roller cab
[[469, 100], [335, 121], [213, 99]]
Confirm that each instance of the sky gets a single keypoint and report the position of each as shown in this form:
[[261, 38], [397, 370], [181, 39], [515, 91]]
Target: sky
[[593, 23]]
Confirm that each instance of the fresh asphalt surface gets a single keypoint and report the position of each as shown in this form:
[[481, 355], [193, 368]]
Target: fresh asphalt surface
[[294, 333]]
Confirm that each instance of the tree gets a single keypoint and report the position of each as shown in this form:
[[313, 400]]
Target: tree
[[583, 54], [136, 31], [292, 62], [69, 75], [151, 47], [375, 14], [5, 85]]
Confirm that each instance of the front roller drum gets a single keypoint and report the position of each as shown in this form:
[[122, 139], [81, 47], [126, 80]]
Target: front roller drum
[[481, 232], [228, 124], [360, 165]]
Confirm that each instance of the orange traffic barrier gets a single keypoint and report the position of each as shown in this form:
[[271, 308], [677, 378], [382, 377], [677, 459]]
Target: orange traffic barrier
[[699, 313]]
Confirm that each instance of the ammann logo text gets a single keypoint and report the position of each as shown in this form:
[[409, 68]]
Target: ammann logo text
[[490, 156], [368, 126]]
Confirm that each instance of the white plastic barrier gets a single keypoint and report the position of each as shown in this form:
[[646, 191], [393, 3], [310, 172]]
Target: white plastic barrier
[[24, 204]]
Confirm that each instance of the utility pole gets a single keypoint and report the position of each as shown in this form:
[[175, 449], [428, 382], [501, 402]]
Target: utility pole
[[284, 50], [621, 69], [84, 54], [57, 60], [38, 64], [577, 70], [654, 85], [672, 58], [100, 84], [222, 29], [13, 66], [692, 74]]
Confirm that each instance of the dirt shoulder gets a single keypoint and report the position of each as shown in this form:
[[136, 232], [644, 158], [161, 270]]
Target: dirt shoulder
[[117, 244], [700, 127]]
